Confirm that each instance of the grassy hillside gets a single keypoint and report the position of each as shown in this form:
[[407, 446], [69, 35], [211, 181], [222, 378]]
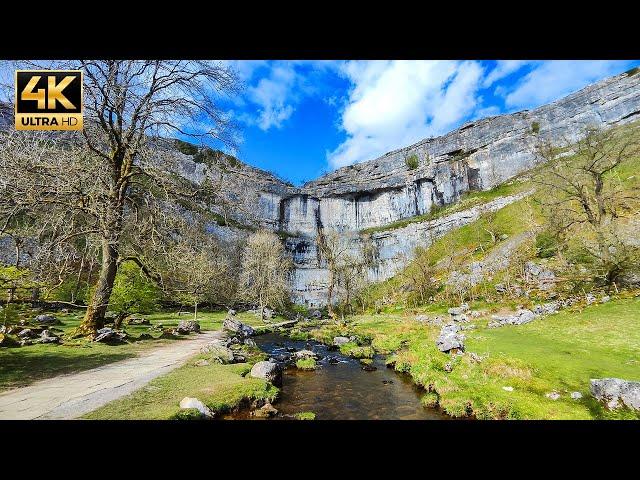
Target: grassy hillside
[[559, 353]]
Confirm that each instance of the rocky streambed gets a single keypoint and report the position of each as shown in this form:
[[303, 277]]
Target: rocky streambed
[[340, 387]]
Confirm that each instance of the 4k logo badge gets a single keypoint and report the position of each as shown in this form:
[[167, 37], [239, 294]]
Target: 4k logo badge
[[48, 100]]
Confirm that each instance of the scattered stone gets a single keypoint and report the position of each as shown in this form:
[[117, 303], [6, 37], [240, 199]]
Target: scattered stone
[[422, 318], [449, 339], [47, 337], [266, 411], [615, 392], [333, 360], [138, 321], [521, 317], [339, 341], [317, 314], [269, 371], [546, 308], [185, 327], [508, 389], [475, 357], [194, 403], [221, 354], [590, 298], [471, 326], [110, 336], [64, 310], [231, 312], [576, 395], [201, 363], [553, 395], [448, 367], [302, 354], [537, 273], [605, 299], [454, 311], [27, 333], [249, 342], [500, 288], [237, 327], [47, 320]]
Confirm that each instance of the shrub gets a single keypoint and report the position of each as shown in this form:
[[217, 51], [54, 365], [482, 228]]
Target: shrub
[[535, 127], [305, 416], [546, 245], [412, 162]]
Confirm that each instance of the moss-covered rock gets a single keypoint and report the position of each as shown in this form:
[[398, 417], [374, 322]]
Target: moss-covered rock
[[308, 363], [354, 350]]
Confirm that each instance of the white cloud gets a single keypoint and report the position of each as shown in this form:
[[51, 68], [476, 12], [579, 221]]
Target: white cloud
[[273, 95], [395, 103], [502, 69], [554, 79]]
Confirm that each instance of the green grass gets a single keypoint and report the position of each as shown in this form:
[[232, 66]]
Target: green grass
[[220, 387], [558, 353], [24, 365], [356, 351], [305, 416], [306, 364]]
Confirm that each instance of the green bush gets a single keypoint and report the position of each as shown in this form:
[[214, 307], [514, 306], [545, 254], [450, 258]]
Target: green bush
[[412, 162], [535, 127], [133, 292], [546, 245], [305, 416]]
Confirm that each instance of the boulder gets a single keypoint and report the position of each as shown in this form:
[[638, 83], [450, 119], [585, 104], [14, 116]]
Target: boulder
[[236, 327], [231, 312], [221, 354], [269, 371], [266, 411], [553, 395], [576, 395], [449, 339], [339, 341], [605, 299], [194, 403], [47, 337], [27, 333], [213, 344], [546, 308], [521, 317], [302, 354], [110, 336], [185, 327], [459, 310], [47, 320], [138, 321], [317, 314], [615, 393]]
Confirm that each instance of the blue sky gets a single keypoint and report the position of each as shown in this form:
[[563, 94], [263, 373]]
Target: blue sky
[[303, 118]]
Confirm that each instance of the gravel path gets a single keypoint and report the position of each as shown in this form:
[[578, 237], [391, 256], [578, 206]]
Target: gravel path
[[71, 396]]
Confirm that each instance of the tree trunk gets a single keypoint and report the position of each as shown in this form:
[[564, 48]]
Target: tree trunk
[[94, 318], [195, 312]]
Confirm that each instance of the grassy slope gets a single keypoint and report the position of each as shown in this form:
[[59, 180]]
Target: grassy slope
[[25, 365], [220, 387], [557, 353]]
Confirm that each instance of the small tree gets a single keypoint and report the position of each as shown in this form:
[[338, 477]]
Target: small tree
[[264, 271], [585, 202], [133, 292]]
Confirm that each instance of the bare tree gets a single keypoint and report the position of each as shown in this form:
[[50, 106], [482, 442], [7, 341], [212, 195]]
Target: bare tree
[[264, 272], [114, 176], [582, 194]]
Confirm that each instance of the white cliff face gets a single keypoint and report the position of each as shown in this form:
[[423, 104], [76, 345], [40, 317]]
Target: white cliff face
[[477, 156]]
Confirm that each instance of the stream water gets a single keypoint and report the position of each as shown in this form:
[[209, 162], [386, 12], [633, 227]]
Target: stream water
[[339, 389]]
